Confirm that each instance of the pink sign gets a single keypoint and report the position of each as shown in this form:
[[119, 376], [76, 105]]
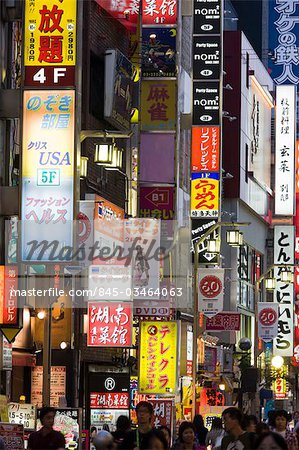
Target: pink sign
[[156, 202], [224, 321]]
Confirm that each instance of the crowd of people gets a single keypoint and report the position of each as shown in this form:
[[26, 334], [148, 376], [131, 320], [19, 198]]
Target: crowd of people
[[232, 431]]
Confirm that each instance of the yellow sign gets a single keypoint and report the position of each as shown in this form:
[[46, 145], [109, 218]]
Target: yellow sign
[[158, 111], [50, 33], [280, 388], [204, 194], [158, 358], [47, 170]]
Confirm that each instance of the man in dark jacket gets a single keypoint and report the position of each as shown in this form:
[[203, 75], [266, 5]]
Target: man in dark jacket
[[137, 439], [46, 438]]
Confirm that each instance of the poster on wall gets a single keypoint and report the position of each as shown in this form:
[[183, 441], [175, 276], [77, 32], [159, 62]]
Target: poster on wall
[[58, 385], [158, 52]]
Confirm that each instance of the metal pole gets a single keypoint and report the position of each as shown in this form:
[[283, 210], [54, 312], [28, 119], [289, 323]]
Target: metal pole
[[195, 328]]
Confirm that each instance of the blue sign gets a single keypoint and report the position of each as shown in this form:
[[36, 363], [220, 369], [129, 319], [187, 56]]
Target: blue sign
[[158, 52]]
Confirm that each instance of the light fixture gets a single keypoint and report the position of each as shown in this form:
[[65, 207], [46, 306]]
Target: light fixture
[[83, 167], [234, 238], [41, 315], [286, 276], [213, 246], [117, 157], [103, 154], [270, 283], [63, 345], [277, 362], [222, 386]]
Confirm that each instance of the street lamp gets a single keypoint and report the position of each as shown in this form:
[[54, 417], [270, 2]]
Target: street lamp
[[270, 283], [234, 238], [213, 246], [83, 167], [277, 362], [103, 154], [286, 276]]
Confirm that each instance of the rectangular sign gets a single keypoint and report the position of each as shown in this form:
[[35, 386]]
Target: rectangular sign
[[110, 282], [109, 325], [163, 413], [158, 52], [206, 16], [206, 57], [47, 173], [22, 413], [267, 320], [284, 241], [58, 383], [206, 101], [156, 202], [12, 435], [280, 388], [210, 291], [8, 298], [198, 228], [159, 12], [113, 400], [158, 105], [224, 321], [285, 135], [158, 357], [205, 149], [296, 277], [204, 194]]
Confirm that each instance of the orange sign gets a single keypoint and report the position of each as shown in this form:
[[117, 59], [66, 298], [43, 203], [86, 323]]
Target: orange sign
[[205, 149], [211, 397]]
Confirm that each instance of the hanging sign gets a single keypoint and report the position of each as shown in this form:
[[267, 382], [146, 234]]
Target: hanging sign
[[267, 320], [210, 291]]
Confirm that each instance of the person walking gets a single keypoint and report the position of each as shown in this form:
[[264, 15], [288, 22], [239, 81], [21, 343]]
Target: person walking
[[138, 438], [186, 439], [280, 420], [216, 434], [123, 426], [237, 438], [200, 431], [46, 438]]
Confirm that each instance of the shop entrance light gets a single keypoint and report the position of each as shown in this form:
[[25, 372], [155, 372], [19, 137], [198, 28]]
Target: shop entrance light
[[286, 276], [234, 238], [103, 154], [117, 157], [270, 283]]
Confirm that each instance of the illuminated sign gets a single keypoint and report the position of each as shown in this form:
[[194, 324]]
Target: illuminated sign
[[158, 105], [205, 149], [204, 194]]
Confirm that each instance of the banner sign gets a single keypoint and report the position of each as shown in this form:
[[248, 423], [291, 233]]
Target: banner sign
[[111, 400], [204, 194], [47, 173], [12, 435], [267, 320], [210, 291], [224, 321], [109, 324], [206, 17], [206, 57], [158, 105], [211, 397], [158, 12], [296, 277], [158, 358], [205, 149], [280, 388], [50, 42], [284, 293], [285, 135], [206, 100], [158, 52], [58, 385], [163, 413], [8, 299]]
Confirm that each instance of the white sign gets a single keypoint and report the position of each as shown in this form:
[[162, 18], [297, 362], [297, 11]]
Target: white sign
[[210, 291], [285, 134], [6, 354], [284, 245], [110, 282], [58, 382], [267, 320], [23, 414]]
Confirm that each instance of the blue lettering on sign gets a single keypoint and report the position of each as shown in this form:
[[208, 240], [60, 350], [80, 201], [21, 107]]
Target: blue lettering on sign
[[54, 159]]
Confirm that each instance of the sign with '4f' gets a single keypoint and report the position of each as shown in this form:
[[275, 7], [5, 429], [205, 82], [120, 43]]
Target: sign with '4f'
[[267, 320], [210, 291]]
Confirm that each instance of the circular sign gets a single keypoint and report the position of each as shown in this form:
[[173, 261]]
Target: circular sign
[[109, 384], [84, 227], [210, 286], [152, 330], [267, 317]]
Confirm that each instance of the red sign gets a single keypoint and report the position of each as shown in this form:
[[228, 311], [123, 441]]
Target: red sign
[[109, 324], [268, 316], [211, 397], [126, 11], [8, 297], [224, 322], [111, 400], [163, 413], [155, 12], [210, 286], [205, 149]]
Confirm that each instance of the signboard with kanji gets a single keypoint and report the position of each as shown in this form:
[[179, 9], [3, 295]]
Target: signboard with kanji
[[204, 194], [158, 110], [12, 435], [224, 321], [109, 324], [158, 358], [267, 320], [50, 42], [47, 174], [205, 149], [159, 12], [112, 400], [210, 291], [157, 202], [8, 295], [211, 397], [163, 413]]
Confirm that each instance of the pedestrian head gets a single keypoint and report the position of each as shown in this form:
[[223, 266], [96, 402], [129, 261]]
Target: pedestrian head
[[156, 440], [271, 441], [123, 423], [144, 412], [232, 418], [261, 428], [47, 416], [217, 423], [281, 420], [187, 433], [249, 423], [198, 422], [167, 433], [103, 441]]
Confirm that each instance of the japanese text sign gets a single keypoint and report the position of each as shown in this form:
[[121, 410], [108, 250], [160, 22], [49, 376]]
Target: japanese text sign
[[109, 325], [158, 111], [296, 278], [8, 299], [284, 292], [155, 12], [23, 414], [157, 202], [163, 413], [47, 171], [205, 149], [267, 320], [12, 435], [111, 400], [210, 291], [224, 321], [283, 33], [285, 133], [211, 397], [280, 388], [50, 32], [204, 194], [158, 357]]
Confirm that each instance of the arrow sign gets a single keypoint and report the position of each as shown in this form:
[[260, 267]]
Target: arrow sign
[[10, 333], [158, 197]]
